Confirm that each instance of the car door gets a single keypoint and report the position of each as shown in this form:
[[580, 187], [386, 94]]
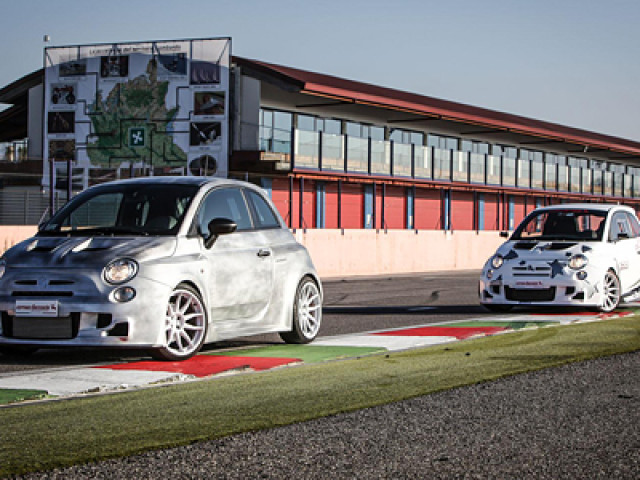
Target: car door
[[624, 234], [239, 265]]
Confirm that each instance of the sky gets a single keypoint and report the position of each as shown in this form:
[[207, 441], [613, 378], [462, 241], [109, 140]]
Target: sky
[[573, 62]]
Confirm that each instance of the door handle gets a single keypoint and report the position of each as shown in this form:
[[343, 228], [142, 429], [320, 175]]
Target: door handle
[[263, 252]]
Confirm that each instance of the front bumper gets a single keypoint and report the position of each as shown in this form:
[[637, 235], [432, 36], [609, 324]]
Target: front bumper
[[86, 312], [566, 289]]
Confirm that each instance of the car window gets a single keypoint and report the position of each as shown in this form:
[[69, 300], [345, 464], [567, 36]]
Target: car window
[[634, 224], [264, 216], [569, 224], [224, 203], [619, 226]]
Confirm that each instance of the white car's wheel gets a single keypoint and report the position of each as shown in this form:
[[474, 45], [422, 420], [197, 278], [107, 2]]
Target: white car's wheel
[[307, 313], [610, 292], [185, 325]]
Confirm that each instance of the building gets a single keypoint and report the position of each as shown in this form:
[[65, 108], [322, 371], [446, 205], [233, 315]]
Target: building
[[355, 167]]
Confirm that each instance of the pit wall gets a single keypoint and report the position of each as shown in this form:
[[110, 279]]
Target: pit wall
[[345, 253], [12, 234]]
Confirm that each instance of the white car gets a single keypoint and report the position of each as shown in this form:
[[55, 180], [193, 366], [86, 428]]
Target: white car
[[585, 255], [161, 263]]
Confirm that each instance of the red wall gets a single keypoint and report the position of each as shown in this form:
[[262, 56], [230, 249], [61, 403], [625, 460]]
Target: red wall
[[395, 208], [331, 205], [491, 212], [352, 206], [427, 209], [462, 211]]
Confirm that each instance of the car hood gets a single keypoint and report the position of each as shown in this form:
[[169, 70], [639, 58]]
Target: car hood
[[522, 249], [83, 251]]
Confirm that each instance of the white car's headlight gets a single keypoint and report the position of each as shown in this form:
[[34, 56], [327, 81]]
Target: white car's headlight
[[3, 267], [120, 271], [578, 261], [497, 261]]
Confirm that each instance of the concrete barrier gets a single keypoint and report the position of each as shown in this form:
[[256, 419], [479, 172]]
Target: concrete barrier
[[342, 253], [345, 253]]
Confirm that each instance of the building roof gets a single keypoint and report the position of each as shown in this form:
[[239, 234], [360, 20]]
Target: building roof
[[322, 85]]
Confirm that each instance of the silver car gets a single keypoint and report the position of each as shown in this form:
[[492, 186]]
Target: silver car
[[166, 264]]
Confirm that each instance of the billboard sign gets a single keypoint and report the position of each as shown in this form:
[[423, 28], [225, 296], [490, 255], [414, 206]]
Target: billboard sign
[[160, 106]]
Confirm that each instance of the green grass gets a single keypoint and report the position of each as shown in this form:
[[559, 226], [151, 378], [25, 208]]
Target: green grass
[[306, 353], [59, 433], [11, 395]]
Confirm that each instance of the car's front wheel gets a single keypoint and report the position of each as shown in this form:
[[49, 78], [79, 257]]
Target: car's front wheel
[[307, 313], [185, 325], [610, 292]]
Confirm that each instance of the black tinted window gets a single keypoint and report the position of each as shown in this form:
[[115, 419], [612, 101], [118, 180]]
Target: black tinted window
[[224, 203], [264, 215]]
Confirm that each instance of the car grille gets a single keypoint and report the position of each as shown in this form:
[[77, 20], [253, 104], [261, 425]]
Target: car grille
[[537, 271], [530, 294], [39, 328], [54, 287]]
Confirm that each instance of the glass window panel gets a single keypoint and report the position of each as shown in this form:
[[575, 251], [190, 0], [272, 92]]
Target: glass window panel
[[306, 148], [306, 122], [417, 138], [607, 182], [422, 161], [377, 133], [550, 173], [402, 159], [563, 178], [509, 171], [586, 180], [380, 157], [598, 181], [477, 167], [636, 186], [441, 164], [354, 129], [493, 169], [537, 174], [460, 166], [617, 183], [332, 152], [574, 175], [331, 126], [357, 154], [628, 184], [524, 172]]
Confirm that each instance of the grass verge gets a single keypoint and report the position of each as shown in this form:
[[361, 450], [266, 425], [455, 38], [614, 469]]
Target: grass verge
[[55, 434]]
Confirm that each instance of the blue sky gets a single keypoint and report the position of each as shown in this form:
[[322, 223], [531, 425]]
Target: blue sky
[[574, 62]]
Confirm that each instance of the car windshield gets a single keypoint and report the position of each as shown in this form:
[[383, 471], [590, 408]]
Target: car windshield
[[580, 225], [125, 209]]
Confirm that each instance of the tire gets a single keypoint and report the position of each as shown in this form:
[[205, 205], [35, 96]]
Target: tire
[[307, 313], [17, 351], [497, 308], [185, 325], [610, 292]]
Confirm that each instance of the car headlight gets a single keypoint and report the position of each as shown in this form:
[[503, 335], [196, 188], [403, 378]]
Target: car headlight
[[497, 261], [578, 261], [3, 267], [120, 271]]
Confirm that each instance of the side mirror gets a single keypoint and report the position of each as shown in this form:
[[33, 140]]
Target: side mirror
[[504, 234], [219, 226]]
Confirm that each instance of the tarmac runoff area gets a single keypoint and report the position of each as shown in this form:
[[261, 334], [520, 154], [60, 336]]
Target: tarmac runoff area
[[67, 382]]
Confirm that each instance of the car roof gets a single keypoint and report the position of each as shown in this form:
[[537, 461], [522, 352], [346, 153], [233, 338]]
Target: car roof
[[177, 180], [603, 207]]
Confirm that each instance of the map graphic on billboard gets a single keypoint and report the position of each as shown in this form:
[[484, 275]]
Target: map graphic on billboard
[[157, 106]]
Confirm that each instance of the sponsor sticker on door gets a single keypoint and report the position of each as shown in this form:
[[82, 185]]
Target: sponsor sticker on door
[[36, 308]]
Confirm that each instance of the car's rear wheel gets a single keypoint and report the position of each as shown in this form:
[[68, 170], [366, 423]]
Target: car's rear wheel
[[185, 325], [610, 292], [307, 313]]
